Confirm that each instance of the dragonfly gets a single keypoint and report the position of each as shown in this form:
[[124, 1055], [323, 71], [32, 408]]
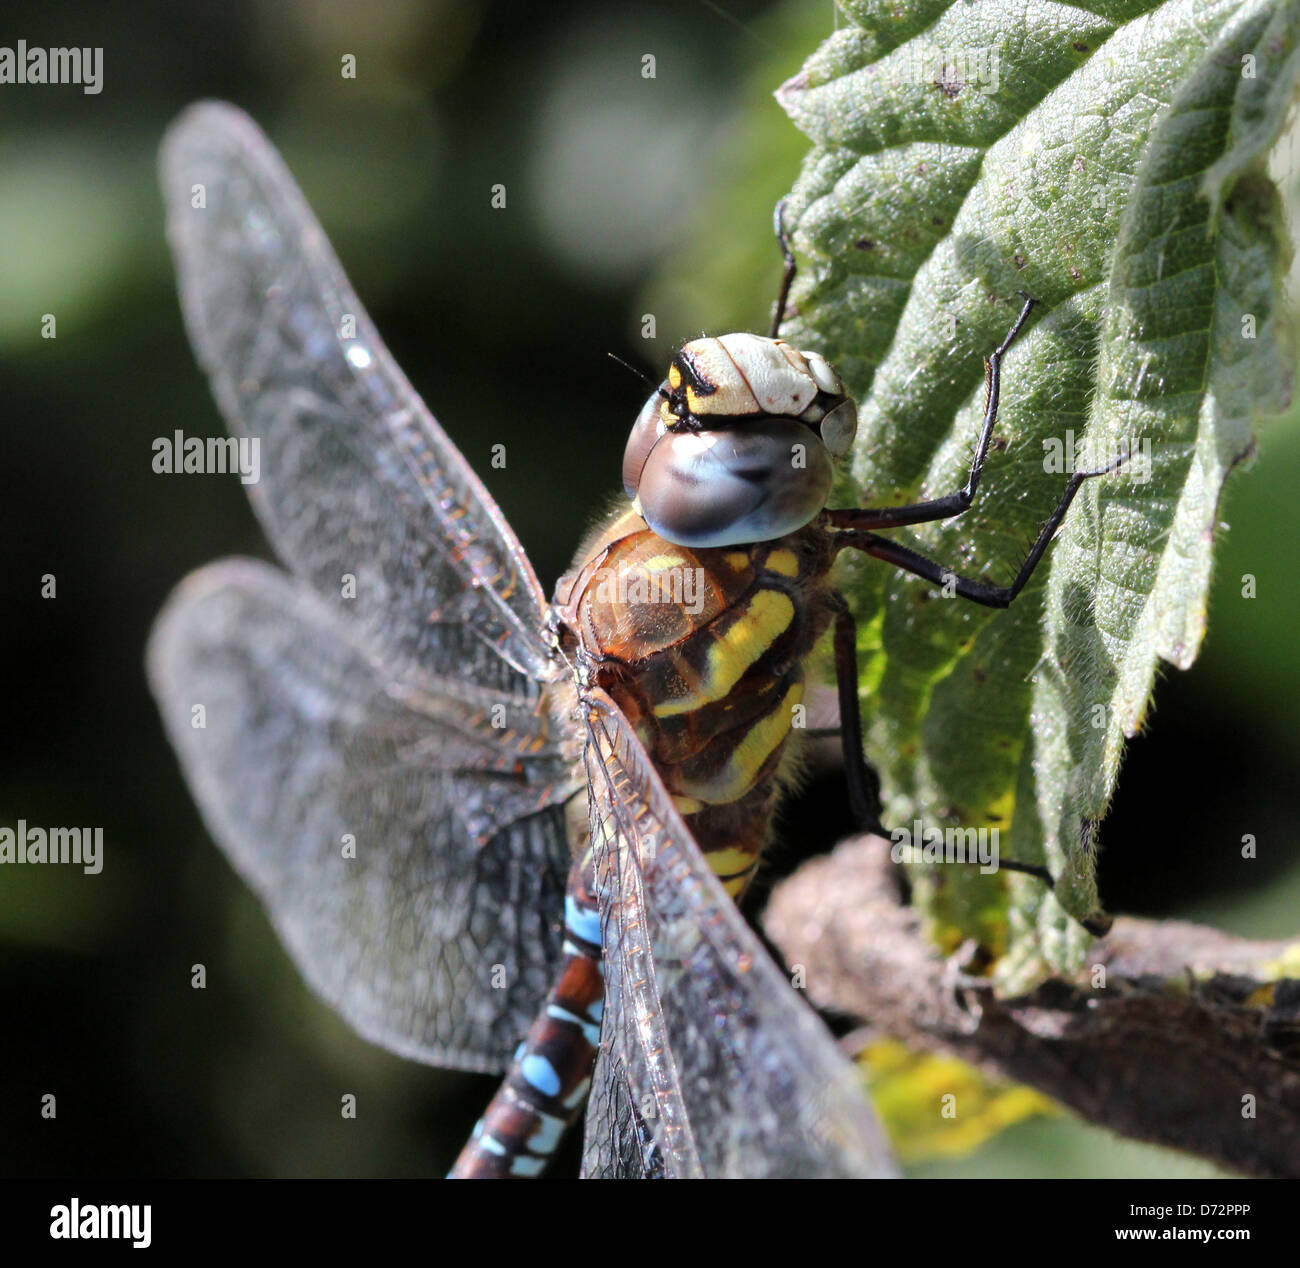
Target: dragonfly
[[497, 833]]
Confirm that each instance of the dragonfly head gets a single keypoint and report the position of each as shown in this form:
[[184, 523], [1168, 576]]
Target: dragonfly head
[[736, 445]]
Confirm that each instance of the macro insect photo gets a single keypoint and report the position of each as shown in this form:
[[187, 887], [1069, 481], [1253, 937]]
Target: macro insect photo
[[682, 591]]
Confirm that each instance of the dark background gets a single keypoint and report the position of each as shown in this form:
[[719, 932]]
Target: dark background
[[625, 196]]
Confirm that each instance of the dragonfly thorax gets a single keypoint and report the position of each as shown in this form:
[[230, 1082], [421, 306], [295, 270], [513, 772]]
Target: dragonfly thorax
[[736, 445]]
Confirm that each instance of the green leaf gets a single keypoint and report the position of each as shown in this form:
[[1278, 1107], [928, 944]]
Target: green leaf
[[1110, 161]]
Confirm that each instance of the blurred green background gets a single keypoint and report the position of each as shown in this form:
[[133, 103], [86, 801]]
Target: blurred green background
[[626, 196]]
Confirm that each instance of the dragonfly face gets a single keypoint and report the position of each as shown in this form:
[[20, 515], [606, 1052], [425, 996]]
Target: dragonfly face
[[386, 737]]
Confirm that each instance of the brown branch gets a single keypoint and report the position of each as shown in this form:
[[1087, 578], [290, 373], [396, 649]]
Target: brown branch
[[1185, 1027]]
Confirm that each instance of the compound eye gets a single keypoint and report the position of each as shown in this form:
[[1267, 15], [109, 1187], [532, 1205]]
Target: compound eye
[[750, 483], [839, 428], [645, 431]]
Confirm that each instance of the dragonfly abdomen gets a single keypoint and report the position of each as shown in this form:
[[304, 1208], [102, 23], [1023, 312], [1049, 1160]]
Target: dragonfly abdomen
[[550, 1075]]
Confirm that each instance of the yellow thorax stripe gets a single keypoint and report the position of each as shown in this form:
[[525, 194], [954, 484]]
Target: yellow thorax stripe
[[737, 777], [762, 621], [783, 562]]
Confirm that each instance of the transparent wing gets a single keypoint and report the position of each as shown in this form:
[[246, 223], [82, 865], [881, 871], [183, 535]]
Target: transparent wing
[[619, 1143], [357, 479], [411, 854], [709, 1063]]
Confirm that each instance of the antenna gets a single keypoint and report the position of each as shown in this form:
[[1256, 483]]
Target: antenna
[[640, 374]]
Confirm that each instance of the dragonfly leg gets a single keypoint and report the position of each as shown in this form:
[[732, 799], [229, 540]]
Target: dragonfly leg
[[982, 592], [864, 783], [787, 276], [546, 1086], [950, 504]]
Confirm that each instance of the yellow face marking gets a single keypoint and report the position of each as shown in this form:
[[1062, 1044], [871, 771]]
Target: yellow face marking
[[692, 401], [737, 777], [783, 561], [764, 619], [674, 377]]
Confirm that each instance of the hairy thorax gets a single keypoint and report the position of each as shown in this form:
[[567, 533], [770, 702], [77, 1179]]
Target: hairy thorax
[[704, 651]]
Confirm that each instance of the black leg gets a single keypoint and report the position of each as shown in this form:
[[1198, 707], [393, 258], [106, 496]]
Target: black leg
[[778, 220], [990, 596], [864, 783], [953, 503]]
